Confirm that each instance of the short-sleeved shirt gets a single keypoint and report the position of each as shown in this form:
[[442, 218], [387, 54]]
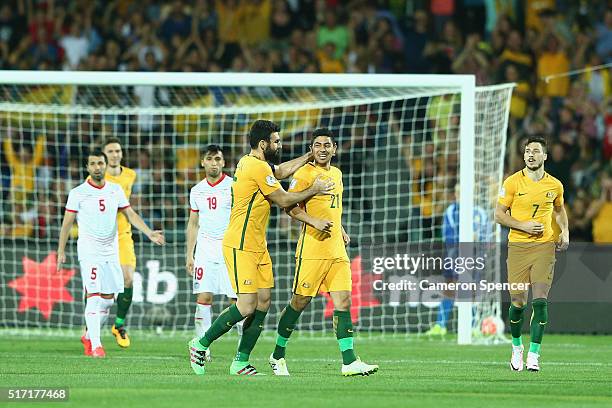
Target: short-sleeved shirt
[[314, 244], [213, 203], [530, 200], [96, 209], [253, 181]]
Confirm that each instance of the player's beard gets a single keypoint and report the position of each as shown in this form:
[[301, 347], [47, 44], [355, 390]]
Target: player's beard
[[272, 156], [214, 173], [97, 177], [536, 167]]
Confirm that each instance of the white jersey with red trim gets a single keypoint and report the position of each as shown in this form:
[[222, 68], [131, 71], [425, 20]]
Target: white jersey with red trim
[[96, 209], [213, 203]]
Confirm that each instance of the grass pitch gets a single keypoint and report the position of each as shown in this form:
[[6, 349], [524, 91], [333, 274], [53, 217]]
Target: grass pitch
[[155, 372]]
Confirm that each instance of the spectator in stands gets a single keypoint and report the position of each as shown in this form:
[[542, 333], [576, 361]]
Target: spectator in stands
[[602, 211], [23, 163]]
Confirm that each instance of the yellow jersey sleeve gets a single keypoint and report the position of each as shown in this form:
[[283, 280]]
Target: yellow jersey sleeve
[[302, 179], [506, 194], [261, 172], [559, 201]]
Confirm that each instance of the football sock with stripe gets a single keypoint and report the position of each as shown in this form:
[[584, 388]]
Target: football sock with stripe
[[222, 324], [253, 326], [105, 305], [124, 301], [286, 325], [539, 318], [515, 315], [92, 320], [343, 326]]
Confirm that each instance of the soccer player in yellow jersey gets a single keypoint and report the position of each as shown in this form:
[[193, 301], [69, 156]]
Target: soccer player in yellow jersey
[[245, 250], [125, 177], [527, 203], [322, 263]]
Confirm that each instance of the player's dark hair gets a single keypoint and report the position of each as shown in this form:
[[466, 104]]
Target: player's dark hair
[[95, 152], [538, 139], [261, 130], [322, 132], [211, 149], [110, 140]]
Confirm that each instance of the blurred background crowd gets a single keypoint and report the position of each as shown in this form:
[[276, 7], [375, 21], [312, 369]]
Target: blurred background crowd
[[520, 41]]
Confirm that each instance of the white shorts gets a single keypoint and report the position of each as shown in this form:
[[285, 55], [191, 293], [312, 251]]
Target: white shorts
[[212, 277], [102, 276]]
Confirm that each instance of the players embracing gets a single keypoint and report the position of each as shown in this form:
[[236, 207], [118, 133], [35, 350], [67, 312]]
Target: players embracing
[[322, 263], [527, 203], [245, 250]]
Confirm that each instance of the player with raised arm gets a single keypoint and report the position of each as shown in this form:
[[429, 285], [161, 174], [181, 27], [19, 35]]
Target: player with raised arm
[[94, 205], [322, 263], [211, 202], [527, 202], [245, 250], [125, 177]]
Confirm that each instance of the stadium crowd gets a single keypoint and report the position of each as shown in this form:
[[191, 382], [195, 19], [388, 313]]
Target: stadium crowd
[[498, 41]]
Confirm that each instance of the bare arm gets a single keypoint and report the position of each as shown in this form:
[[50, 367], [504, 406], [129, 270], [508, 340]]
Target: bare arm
[[69, 218], [298, 213], [192, 232], [345, 237], [530, 227], [562, 222], [284, 199], [155, 236], [286, 169]]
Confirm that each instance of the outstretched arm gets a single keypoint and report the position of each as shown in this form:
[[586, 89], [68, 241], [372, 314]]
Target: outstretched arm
[[286, 169], [156, 237], [69, 217], [284, 199]]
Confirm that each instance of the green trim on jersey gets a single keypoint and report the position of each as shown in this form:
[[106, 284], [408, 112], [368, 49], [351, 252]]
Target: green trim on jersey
[[246, 219], [235, 271]]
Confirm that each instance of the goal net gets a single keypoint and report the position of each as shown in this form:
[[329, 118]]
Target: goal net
[[404, 142]]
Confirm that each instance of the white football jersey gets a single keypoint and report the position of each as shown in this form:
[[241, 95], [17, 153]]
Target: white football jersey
[[213, 203], [96, 209]]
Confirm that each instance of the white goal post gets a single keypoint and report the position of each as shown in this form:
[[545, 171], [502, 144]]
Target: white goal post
[[396, 118]]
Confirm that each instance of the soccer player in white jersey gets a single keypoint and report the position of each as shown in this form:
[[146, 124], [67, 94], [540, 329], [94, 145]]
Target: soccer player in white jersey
[[94, 205], [211, 203]]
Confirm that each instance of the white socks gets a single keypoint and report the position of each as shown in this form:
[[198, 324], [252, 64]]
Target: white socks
[[203, 319], [92, 320], [105, 305], [96, 314]]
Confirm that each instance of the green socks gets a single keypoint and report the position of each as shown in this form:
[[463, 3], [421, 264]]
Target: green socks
[[124, 301], [251, 330], [515, 315], [222, 324], [286, 324], [343, 326], [539, 318]]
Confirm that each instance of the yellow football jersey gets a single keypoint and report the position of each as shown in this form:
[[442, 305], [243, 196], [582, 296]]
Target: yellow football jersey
[[531, 200], [253, 181], [126, 180], [314, 244]]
